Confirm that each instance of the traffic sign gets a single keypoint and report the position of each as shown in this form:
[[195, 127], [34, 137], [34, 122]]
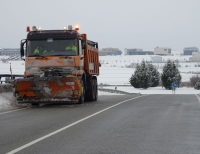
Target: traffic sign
[[175, 84]]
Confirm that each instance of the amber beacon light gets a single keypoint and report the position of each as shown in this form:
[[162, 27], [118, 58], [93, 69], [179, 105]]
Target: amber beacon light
[[77, 27]]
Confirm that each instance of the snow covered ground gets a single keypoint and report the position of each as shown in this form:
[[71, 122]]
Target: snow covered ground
[[113, 71], [155, 90]]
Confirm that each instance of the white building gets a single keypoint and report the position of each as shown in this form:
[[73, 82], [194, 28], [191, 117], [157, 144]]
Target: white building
[[156, 59], [9, 51], [110, 51], [196, 56], [190, 50], [162, 51], [137, 51]]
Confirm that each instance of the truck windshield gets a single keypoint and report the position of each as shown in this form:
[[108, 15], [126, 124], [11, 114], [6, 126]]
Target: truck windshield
[[52, 47]]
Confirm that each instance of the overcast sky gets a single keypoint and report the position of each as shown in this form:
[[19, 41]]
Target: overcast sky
[[121, 24]]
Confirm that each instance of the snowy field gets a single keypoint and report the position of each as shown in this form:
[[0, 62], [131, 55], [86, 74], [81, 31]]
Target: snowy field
[[155, 90], [113, 71]]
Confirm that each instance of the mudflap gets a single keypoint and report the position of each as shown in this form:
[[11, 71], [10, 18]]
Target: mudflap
[[48, 89]]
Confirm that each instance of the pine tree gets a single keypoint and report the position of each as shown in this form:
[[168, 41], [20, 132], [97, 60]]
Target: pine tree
[[134, 80], [170, 74], [146, 77], [155, 75], [177, 74], [142, 76]]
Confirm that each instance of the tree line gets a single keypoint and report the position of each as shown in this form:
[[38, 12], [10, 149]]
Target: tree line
[[146, 75]]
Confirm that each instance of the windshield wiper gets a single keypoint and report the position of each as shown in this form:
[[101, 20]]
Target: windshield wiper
[[67, 57], [36, 55], [57, 55]]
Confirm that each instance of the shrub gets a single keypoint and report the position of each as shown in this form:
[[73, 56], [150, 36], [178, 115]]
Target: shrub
[[170, 74], [197, 85], [194, 79], [142, 77]]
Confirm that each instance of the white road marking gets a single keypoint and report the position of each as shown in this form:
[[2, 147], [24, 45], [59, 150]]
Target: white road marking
[[15, 110], [198, 98], [68, 126]]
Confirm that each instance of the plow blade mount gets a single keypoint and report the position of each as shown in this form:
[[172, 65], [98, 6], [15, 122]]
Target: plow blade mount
[[47, 89]]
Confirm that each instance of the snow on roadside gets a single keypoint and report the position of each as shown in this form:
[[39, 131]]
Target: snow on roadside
[[7, 101], [155, 90], [102, 93]]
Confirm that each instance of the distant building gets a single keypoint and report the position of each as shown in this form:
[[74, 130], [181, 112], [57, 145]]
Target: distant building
[[156, 59], [196, 56], [9, 51], [162, 51], [110, 51], [190, 50], [137, 51]]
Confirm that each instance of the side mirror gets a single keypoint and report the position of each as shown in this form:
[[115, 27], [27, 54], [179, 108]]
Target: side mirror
[[22, 47], [22, 50], [83, 44]]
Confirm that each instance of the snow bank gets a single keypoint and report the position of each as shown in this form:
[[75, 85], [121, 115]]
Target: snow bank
[[6, 88], [7, 101]]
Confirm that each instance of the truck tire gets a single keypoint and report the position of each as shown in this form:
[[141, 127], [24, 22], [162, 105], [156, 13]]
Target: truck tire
[[35, 104], [82, 97], [90, 93], [95, 90]]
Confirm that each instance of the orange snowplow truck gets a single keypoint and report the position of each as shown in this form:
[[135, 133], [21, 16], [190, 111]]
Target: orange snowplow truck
[[60, 66]]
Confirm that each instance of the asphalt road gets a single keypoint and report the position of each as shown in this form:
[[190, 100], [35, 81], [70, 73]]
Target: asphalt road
[[120, 124]]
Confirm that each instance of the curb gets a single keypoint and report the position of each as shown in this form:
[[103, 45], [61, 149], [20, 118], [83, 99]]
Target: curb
[[116, 91]]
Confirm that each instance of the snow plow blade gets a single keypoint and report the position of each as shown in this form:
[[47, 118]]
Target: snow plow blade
[[48, 89]]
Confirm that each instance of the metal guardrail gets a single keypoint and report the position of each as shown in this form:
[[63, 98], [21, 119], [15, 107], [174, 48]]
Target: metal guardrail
[[9, 77], [116, 91]]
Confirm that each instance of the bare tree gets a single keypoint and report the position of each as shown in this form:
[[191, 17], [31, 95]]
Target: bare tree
[[194, 79]]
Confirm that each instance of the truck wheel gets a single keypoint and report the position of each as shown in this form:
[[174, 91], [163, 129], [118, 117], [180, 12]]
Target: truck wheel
[[90, 93], [95, 90], [35, 104], [82, 97], [93, 93]]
